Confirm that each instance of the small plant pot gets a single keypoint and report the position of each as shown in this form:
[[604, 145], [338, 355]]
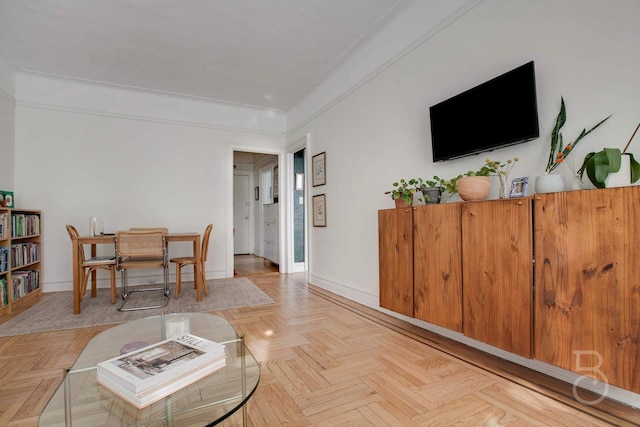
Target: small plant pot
[[400, 203], [431, 195], [474, 188]]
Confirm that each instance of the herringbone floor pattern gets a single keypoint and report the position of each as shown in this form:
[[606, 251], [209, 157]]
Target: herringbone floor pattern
[[328, 362]]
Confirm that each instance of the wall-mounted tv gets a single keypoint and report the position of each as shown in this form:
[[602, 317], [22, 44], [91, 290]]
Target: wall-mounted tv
[[500, 112]]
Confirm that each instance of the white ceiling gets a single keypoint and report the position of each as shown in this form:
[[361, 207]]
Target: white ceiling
[[264, 53]]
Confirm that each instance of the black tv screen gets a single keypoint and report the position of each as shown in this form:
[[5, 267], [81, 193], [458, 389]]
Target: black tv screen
[[500, 112]]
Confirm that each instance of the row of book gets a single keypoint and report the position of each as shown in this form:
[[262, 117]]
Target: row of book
[[4, 224], [147, 375], [4, 296], [24, 253], [24, 282], [4, 259], [25, 225]]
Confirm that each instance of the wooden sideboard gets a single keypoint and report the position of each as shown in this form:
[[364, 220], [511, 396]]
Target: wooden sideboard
[[488, 269]]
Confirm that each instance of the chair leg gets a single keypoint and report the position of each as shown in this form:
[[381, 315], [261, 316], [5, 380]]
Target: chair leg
[[114, 292], [85, 280], [124, 292], [178, 279], [203, 280]]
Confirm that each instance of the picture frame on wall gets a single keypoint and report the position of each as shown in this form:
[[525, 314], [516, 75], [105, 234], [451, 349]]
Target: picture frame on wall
[[320, 210], [519, 187], [7, 198], [276, 181], [319, 166], [256, 194]]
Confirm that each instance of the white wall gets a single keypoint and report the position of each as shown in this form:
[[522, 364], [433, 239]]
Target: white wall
[[75, 162], [586, 51], [7, 125]]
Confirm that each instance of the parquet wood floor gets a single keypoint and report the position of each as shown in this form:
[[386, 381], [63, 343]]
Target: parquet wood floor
[[326, 361]]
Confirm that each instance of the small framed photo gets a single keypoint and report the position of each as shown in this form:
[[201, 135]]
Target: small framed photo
[[256, 193], [519, 187], [319, 210], [7, 198], [276, 183], [319, 165]]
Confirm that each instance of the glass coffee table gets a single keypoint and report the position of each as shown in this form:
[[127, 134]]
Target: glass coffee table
[[81, 401]]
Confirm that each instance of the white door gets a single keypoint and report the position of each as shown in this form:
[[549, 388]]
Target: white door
[[241, 214]]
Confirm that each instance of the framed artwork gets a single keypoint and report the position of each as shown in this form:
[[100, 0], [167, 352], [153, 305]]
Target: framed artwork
[[275, 183], [519, 187], [319, 165], [7, 198], [256, 194], [319, 210]]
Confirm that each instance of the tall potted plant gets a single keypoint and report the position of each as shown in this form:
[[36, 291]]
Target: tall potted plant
[[559, 153], [601, 167]]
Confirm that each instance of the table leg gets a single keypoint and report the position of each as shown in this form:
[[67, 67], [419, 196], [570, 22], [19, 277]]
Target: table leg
[[75, 259]]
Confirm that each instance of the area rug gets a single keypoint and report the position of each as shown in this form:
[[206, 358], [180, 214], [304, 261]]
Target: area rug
[[55, 311]]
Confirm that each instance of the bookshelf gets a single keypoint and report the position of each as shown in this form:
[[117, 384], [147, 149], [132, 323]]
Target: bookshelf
[[20, 257]]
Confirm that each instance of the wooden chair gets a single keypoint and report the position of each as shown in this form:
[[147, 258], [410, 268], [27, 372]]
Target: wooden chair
[[184, 261], [142, 249], [88, 266]]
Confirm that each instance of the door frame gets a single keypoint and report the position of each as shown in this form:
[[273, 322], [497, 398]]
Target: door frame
[[302, 143], [230, 148]]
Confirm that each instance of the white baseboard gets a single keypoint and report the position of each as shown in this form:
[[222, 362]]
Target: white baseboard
[[105, 282]]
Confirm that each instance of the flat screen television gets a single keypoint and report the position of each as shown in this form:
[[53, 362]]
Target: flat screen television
[[500, 112]]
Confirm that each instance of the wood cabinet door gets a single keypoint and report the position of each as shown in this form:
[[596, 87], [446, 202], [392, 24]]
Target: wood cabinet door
[[395, 249], [437, 261], [497, 273], [587, 278]]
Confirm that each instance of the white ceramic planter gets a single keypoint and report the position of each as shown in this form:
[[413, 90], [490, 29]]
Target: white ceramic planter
[[550, 183]]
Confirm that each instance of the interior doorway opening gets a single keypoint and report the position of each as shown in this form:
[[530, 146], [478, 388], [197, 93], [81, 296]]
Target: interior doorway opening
[[255, 191]]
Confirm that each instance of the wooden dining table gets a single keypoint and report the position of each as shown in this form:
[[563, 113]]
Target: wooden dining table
[[110, 239]]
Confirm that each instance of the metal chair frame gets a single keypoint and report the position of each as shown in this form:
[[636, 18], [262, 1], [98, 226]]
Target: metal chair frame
[[142, 249]]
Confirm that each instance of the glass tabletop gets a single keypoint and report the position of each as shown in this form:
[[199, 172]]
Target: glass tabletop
[[81, 401]]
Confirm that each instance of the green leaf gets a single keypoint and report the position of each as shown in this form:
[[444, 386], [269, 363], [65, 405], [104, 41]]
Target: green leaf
[[635, 168]]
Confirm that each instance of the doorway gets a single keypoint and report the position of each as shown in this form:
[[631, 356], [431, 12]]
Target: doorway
[[253, 187]]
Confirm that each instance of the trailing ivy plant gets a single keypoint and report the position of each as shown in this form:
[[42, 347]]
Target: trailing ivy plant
[[405, 189]]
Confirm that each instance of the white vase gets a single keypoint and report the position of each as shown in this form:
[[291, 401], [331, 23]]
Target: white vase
[[550, 183]]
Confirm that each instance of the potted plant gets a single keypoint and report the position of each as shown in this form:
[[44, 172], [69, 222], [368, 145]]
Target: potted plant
[[431, 189], [600, 166], [559, 153], [403, 192], [475, 185], [472, 178]]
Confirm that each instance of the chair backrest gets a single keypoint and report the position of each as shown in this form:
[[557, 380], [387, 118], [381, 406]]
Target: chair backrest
[[205, 243], [140, 243], [164, 230], [73, 233]]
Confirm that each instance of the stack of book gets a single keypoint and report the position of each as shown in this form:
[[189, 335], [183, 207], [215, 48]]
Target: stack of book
[[151, 373]]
